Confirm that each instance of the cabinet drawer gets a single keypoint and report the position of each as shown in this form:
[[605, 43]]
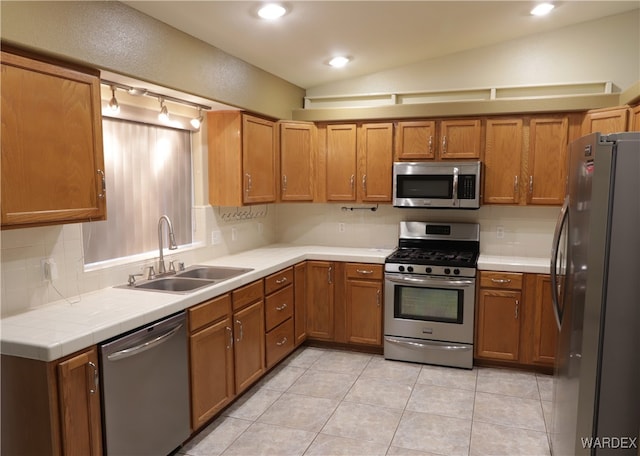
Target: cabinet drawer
[[279, 342], [509, 280], [364, 271], [208, 312], [278, 307], [247, 294], [278, 280]]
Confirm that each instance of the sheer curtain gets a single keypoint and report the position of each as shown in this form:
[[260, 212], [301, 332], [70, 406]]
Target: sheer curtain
[[148, 173]]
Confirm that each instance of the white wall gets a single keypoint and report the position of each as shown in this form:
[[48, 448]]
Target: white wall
[[604, 50]]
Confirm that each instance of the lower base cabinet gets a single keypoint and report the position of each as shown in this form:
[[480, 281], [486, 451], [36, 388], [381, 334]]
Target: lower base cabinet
[[515, 324]]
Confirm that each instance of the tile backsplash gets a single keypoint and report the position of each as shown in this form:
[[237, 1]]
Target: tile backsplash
[[527, 231]]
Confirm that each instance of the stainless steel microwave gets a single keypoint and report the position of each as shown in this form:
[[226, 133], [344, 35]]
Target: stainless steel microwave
[[442, 185]]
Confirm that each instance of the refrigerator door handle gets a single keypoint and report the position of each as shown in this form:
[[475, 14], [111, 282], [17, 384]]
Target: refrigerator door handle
[[555, 251]]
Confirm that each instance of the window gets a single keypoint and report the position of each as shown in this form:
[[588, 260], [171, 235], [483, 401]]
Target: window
[[148, 173]]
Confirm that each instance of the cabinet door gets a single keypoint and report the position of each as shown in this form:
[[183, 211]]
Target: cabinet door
[[606, 121], [376, 161], [634, 119], [300, 299], [416, 140], [547, 160], [320, 300], [52, 160], [80, 404], [460, 139], [498, 326], [258, 160], [341, 162], [545, 331], [364, 312], [502, 159], [248, 331], [211, 355], [297, 155]]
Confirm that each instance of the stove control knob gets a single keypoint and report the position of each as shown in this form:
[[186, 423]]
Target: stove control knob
[[456, 271], [410, 268], [428, 270], [401, 268], [447, 271]]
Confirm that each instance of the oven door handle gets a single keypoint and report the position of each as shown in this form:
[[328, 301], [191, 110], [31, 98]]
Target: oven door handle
[[422, 281], [429, 345]]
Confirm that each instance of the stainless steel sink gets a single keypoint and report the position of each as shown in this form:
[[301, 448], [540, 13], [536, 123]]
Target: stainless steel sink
[[212, 272], [173, 284]]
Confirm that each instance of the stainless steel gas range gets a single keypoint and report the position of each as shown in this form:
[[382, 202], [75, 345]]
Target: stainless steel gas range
[[430, 283]]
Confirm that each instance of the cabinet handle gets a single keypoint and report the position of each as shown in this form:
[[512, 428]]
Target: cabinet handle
[[282, 307], [531, 184], [378, 297], [284, 183], [104, 184], [364, 184], [515, 185], [517, 308], [282, 342], [364, 271], [230, 337], [96, 378], [249, 183], [444, 144], [430, 144], [239, 323], [281, 281], [501, 280], [352, 180], [329, 271]]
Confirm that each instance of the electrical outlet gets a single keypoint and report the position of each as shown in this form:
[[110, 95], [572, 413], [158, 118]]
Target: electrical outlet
[[260, 227], [234, 234], [216, 237], [500, 232], [341, 228], [49, 269]]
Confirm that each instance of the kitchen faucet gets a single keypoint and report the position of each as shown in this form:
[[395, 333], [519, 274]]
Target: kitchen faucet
[[172, 242]]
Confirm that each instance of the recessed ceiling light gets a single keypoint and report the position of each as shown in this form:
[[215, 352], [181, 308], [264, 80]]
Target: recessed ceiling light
[[542, 9], [339, 62], [272, 11]]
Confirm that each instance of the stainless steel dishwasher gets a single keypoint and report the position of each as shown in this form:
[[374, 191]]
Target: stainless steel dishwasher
[[145, 389]]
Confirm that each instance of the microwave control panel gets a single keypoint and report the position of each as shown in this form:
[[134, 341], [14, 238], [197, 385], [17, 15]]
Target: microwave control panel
[[467, 186]]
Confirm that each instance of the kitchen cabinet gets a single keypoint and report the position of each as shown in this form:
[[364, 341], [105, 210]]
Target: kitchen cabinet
[[279, 310], [52, 162], [341, 162], [300, 311], [364, 304], [455, 139], [320, 300], [248, 332], [460, 139], [242, 159], [297, 160], [541, 329], [416, 140], [547, 160], [634, 119], [607, 120], [375, 162], [51, 408], [211, 358], [502, 161]]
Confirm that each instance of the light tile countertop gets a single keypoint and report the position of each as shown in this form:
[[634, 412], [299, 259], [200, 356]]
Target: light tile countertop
[[63, 327]]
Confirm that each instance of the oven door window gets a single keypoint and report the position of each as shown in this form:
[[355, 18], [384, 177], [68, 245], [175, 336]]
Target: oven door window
[[429, 304], [425, 186]]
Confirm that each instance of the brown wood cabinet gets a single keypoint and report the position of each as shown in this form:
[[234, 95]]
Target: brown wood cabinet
[[541, 329], [52, 161], [455, 139], [502, 161], [460, 139], [547, 160], [634, 119], [375, 162], [341, 162], [320, 300], [607, 120], [242, 159], [300, 311], [364, 303], [51, 408], [211, 358], [298, 144], [248, 332], [416, 140], [279, 309]]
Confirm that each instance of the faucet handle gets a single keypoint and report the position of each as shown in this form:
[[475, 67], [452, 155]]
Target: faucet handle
[[151, 272], [132, 279], [172, 266], [181, 265]]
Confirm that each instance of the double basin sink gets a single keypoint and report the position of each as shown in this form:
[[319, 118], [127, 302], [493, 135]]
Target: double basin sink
[[190, 279]]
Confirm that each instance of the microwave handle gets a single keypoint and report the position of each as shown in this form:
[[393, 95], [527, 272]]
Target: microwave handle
[[455, 185]]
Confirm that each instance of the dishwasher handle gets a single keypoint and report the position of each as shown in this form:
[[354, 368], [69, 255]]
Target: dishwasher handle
[[136, 349]]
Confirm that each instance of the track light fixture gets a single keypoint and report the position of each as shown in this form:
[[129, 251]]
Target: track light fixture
[[164, 112], [113, 103]]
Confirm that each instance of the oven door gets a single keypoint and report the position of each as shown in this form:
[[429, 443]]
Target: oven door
[[429, 307]]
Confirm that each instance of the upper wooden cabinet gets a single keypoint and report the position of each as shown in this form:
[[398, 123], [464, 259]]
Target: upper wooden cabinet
[[634, 119], [242, 159], [502, 161], [341, 162], [52, 158], [375, 162], [608, 120], [297, 160], [454, 139], [547, 160]]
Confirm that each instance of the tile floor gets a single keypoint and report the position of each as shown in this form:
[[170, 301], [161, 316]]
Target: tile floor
[[330, 402]]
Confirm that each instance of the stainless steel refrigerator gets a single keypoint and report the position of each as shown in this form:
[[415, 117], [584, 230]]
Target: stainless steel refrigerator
[[595, 274]]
